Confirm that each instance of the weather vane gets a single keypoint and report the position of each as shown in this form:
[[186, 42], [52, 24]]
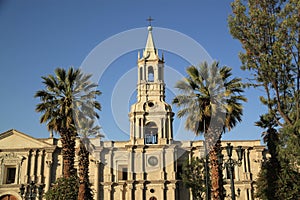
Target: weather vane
[[150, 20]]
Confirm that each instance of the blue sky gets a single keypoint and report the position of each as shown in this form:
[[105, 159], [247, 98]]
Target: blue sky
[[38, 36]]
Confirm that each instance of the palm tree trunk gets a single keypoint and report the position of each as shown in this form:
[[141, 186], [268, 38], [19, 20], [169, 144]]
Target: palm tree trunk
[[84, 192], [214, 147], [68, 153]]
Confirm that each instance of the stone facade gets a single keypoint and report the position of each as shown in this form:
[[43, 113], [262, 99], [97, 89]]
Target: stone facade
[[146, 167]]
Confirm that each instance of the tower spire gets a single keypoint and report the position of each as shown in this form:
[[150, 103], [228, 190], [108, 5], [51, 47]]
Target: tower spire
[[150, 52], [150, 47]]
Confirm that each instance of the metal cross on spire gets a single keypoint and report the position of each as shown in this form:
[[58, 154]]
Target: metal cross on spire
[[150, 20]]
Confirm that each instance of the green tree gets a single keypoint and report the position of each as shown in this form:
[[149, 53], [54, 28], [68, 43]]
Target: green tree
[[193, 177], [269, 33], [271, 168], [86, 129], [211, 102], [64, 189], [68, 97]]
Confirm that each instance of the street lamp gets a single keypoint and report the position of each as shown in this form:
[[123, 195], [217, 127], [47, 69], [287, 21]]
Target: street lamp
[[230, 163], [31, 191]]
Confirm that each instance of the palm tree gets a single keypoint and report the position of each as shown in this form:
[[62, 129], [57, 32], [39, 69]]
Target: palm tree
[[86, 129], [68, 97], [211, 103]]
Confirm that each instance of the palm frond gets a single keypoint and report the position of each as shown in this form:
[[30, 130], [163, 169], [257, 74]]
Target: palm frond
[[208, 93]]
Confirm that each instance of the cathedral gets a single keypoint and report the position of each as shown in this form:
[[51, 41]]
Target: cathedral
[[146, 167]]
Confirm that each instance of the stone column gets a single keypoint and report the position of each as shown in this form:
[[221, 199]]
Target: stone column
[[137, 128], [107, 192], [249, 194], [142, 129], [245, 194], [142, 164], [247, 154], [19, 170], [33, 165], [132, 130], [96, 181], [129, 191], [130, 175], [162, 167], [171, 191], [140, 191], [120, 190], [48, 175], [27, 167], [108, 168], [244, 166], [40, 159], [169, 128], [163, 127]]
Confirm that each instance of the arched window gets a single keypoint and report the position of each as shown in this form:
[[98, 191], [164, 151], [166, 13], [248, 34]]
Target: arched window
[[151, 133], [150, 74]]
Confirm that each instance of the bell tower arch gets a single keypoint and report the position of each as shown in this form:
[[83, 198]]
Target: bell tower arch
[[150, 117]]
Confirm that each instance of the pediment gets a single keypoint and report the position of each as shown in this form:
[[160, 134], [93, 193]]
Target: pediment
[[14, 139]]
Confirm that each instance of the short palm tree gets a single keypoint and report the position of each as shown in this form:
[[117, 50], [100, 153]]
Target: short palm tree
[[211, 103], [68, 97], [86, 129]]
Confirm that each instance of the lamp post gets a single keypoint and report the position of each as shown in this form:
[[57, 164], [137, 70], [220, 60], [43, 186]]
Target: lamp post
[[230, 163], [31, 191]]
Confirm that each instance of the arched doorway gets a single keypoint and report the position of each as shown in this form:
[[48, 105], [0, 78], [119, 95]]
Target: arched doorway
[[153, 198], [8, 197]]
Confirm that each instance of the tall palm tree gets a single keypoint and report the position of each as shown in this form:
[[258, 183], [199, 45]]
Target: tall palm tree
[[211, 103], [68, 97], [86, 129]]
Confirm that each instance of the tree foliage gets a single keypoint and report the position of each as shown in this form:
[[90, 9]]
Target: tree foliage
[[269, 31], [211, 100], [193, 177], [271, 167], [63, 189], [68, 97], [67, 105]]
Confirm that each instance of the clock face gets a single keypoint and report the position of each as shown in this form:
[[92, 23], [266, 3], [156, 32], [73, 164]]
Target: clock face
[[152, 160]]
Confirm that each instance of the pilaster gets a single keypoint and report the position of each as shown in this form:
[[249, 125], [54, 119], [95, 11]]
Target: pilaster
[[107, 192], [48, 174]]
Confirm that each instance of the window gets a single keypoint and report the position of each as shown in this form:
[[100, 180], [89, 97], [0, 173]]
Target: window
[[151, 133], [10, 175], [122, 172], [150, 74]]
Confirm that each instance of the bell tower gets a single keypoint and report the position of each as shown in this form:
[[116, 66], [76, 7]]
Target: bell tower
[[150, 117]]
